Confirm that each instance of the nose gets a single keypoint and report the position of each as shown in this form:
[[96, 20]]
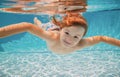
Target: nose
[[69, 40]]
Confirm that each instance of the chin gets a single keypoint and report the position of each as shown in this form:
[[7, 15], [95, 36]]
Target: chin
[[68, 45]]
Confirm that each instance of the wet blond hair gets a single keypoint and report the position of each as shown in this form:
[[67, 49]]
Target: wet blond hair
[[71, 20]]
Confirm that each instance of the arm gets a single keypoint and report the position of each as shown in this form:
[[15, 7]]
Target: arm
[[25, 27], [97, 39], [14, 29]]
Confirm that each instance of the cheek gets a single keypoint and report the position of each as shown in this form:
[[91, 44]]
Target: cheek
[[62, 36], [76, 40]]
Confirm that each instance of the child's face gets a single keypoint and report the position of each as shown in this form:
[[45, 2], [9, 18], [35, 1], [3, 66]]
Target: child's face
[[70, 36]]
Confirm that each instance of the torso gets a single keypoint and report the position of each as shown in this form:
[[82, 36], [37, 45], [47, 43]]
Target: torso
[[56, 47]]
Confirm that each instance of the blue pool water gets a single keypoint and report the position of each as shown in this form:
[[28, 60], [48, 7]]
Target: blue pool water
[[25, 55]]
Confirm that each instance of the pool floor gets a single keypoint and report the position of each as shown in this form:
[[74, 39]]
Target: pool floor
[[78, 64]]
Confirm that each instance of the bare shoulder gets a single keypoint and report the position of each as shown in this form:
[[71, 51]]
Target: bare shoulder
[[82, 44], [90, 41], [52, 36]]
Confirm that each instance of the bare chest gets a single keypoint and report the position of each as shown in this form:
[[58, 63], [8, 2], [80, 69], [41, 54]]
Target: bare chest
[[58, 48]]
